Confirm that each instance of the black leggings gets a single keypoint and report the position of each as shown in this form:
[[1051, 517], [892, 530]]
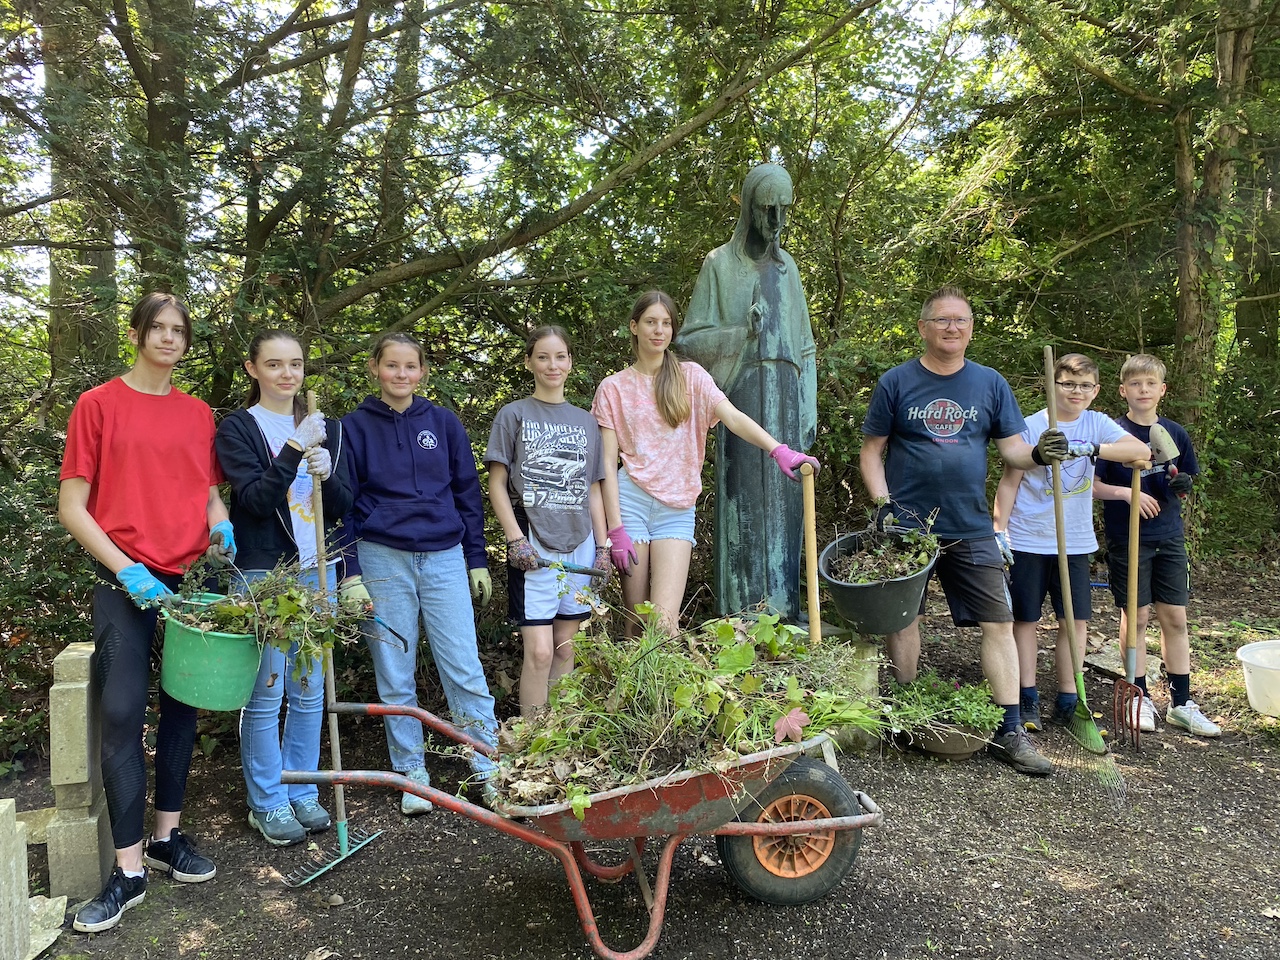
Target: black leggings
[[122, 674]]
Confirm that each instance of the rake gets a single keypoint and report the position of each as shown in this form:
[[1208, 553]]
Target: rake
[[1126, 703], [1080, 725], [348, 840]]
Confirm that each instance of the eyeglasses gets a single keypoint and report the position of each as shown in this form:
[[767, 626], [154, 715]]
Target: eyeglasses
[[941, 323], [1070, 386]]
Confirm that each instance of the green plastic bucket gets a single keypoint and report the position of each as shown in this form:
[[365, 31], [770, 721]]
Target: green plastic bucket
[[212, 671]]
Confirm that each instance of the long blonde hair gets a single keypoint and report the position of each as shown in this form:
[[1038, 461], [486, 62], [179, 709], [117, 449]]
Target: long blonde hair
[[670, 389]]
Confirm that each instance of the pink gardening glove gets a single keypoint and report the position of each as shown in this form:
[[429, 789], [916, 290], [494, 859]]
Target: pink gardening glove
[[788, 460], [621, 550]]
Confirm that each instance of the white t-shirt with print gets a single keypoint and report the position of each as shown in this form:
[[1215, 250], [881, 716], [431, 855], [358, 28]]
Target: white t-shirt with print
[[278, 428]]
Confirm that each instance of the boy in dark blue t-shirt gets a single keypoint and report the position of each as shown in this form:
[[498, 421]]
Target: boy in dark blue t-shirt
[[1163, 569]]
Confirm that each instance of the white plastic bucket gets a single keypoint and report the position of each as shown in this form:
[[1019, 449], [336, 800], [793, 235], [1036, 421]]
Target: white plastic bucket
[[1261, 663]]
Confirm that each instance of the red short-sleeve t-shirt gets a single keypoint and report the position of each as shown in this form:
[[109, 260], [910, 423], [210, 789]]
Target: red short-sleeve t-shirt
[[150, 463]]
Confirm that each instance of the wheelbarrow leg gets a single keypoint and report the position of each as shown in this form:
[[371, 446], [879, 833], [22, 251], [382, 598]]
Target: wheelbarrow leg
[[598, 870], [582, 902], [643, 880]]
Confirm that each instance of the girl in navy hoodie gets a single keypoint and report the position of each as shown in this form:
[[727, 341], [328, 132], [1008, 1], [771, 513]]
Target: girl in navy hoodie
[[418, 529], [272, 454]]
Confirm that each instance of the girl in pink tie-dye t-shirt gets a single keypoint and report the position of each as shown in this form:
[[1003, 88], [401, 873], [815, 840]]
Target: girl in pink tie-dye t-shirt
[[655, 415]]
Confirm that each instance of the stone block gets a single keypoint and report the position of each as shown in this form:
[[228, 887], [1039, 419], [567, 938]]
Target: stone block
[[74, 732], [15, 917], [81, 852]]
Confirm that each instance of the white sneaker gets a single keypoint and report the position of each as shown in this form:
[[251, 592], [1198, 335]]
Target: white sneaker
[[1147, 715], [1189, 718], [411, 805]]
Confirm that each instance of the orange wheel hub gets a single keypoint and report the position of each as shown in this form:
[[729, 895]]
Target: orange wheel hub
[[800, 854]]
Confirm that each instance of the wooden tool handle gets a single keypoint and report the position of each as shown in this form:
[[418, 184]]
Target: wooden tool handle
[[1059, 522], [330, 683], [811, 551]]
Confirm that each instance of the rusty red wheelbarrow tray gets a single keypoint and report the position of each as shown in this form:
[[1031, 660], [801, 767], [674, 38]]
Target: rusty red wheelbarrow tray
[[787, 827]]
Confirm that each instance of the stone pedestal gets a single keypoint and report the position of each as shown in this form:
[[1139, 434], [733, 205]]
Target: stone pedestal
[[15, 916], [79, 836]]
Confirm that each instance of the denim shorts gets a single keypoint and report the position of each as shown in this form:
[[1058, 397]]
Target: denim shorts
[[646, 518]]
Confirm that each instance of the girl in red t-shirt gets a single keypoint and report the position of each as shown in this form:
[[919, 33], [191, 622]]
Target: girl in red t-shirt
[[139, 491]]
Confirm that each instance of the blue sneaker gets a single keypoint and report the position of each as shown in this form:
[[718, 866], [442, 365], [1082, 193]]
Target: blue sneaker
[[1031, 717], [279, 827], [313, 817]]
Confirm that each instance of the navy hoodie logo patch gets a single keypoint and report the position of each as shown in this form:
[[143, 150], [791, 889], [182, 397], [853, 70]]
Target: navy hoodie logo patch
[[427, 440]]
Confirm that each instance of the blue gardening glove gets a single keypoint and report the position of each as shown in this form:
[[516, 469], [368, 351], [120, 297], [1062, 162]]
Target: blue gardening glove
[[1180, 484], [144, 589], [1051, 447], [789, 460], [1084, 448], [222, 544], [1006, 549], [310, 432], [521, 555], [603, 562], [481, 585]]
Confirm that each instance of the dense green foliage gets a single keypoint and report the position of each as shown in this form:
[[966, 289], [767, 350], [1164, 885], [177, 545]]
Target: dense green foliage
[[1100, 176]]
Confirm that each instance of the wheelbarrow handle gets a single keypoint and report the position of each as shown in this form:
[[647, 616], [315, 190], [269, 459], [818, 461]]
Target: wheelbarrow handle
[[573, 567]]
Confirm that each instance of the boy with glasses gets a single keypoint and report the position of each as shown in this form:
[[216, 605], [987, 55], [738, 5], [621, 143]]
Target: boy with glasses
[[1025, 528], [1163, 569]]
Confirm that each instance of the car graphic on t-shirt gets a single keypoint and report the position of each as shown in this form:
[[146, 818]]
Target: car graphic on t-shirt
[[557, 471]]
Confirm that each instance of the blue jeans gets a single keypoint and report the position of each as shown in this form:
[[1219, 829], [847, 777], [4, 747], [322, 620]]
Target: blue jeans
[[263, 754], [431, 588]]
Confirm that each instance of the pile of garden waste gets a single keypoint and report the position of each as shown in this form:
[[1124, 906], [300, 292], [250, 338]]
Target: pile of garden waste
[[633, 710]]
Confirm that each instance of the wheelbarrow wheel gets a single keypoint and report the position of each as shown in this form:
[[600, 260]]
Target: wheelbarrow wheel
[[789, 870]]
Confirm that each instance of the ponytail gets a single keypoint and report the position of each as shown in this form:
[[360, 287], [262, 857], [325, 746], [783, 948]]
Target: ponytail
[[670, 388]]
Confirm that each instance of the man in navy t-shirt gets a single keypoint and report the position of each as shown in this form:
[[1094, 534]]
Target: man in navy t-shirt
[[925, 455]]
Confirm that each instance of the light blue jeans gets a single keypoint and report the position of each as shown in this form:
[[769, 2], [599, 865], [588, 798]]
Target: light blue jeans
[[263, 752], [431, 588]]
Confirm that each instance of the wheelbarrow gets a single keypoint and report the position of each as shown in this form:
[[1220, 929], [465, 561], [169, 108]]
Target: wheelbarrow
[[787, 827]]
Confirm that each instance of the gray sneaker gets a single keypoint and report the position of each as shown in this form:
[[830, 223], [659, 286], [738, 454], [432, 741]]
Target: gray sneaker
[[279, 827], [1016, 749], [411, 805], [1188, 717], [313, 817]]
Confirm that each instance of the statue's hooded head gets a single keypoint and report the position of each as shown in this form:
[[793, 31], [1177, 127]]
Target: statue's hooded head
[[766, 198]]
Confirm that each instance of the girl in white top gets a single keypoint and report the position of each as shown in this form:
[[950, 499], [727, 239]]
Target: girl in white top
[[655, 415]]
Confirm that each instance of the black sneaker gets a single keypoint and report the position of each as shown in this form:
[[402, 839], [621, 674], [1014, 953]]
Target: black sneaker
[[1031, 717], [1016, 749], [105, 910], [177, 857]]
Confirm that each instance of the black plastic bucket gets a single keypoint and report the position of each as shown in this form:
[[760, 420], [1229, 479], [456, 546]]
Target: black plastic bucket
[[885, 606]]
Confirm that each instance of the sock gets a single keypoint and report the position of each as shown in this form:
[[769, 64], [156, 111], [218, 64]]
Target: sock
[[1179, 688], [132, 875], [1066, 704], [1030, 696], [155, 839], [1012, 719], [1141, 683]]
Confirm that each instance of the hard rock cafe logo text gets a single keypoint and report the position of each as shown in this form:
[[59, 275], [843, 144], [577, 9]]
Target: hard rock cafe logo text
[[942, 418]]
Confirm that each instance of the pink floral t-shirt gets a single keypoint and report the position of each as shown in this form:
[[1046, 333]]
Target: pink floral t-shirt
[[663, 461]]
